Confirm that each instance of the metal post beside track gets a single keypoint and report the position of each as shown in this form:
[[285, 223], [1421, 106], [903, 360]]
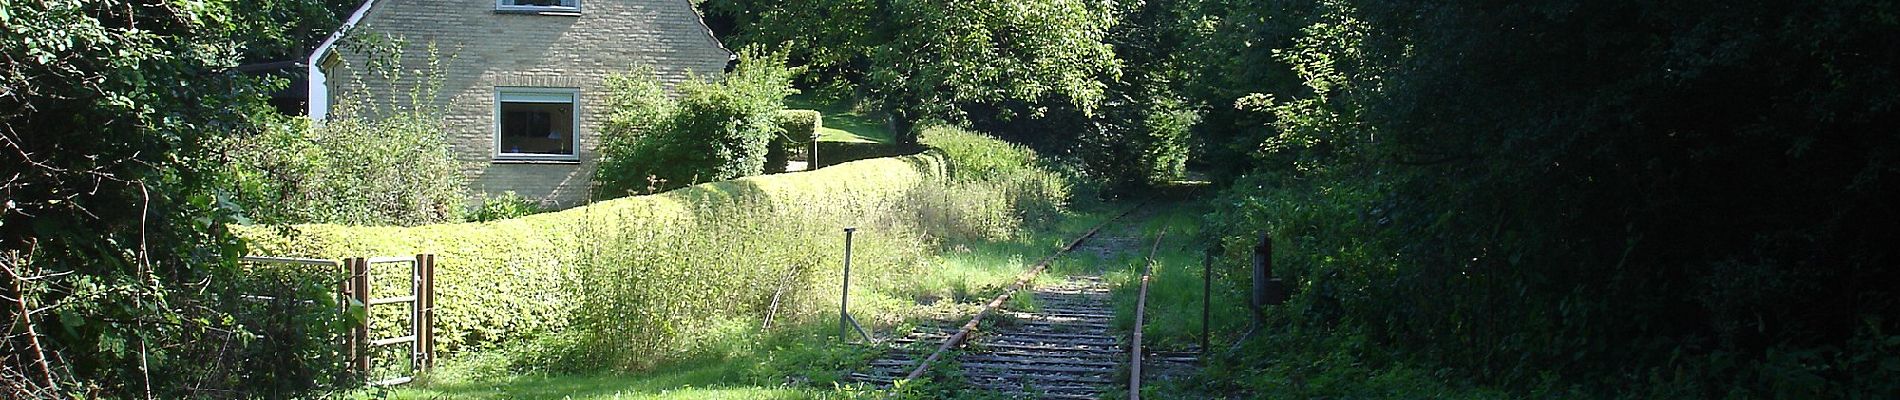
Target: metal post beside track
[[1207, 290], [845, 322]]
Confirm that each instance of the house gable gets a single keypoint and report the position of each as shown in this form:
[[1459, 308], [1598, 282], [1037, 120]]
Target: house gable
[[493, 55]]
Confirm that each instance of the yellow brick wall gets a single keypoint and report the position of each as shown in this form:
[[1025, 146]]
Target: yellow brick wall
[[482, 49]]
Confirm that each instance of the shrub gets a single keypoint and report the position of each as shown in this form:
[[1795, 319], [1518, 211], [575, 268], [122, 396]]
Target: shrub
[[507, 205], [1136, 144], [354, 170], [997, 188], [800, 125], [979, 157], [114, 262], [368, 164], [798, 130], [291, 328], [638, 107], [714, 131]]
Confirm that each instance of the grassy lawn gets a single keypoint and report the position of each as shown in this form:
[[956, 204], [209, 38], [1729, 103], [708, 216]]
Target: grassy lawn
[[842, 122], [805, 361]]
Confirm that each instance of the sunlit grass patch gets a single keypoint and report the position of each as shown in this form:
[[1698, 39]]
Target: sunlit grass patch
[[842, 121]]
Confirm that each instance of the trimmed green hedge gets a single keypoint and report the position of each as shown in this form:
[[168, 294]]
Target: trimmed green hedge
[[834, 153], [513, 279], [800, 125], [799, 129]]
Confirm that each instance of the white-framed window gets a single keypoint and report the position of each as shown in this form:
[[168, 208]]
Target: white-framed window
[[537, 123], [538, 5]]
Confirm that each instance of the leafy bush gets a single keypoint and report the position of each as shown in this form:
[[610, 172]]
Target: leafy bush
[[369, 163], [507, 205], [996, 188], [114, 263], [713, 131], [798, 130], [1164, 144], [979, 157], [291, 329], [391, 170], [800, 125], [638, 108]]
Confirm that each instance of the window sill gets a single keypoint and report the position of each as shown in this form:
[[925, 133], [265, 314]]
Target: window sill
[[552, 12], [530, 161]]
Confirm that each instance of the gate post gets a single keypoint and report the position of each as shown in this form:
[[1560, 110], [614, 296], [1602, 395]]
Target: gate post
[[1267, 290], [426, 303], [359, 280], [416, 312]]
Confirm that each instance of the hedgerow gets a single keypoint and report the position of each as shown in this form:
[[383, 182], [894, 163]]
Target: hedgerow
[[797, 130], [628, 282], [513, 278]]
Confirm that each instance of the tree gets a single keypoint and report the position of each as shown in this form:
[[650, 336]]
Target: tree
[[118, 275], [1002, 58], [1614, 192]]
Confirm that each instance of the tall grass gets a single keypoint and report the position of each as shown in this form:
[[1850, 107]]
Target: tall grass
[[665, 281], [654, 289], [653, 292]]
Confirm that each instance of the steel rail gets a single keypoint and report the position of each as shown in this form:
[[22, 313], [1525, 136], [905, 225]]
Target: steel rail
[[1021, 282], [1141, 311]]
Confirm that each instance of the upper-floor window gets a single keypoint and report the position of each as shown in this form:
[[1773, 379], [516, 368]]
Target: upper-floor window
[[538, 5]]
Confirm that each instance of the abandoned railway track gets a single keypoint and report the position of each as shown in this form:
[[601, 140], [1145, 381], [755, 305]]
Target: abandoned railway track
[[1064, 347]]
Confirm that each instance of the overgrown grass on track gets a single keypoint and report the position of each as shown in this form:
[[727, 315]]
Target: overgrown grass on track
[[805, 361]]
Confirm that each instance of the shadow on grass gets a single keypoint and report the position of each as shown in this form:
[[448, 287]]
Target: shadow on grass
[[841, 123], [751, 368]]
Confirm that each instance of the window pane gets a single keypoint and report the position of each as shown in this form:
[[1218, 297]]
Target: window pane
[[537, 128], [543, 3]]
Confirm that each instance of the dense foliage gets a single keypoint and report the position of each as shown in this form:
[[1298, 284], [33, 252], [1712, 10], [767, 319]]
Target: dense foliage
[[118, 280], [393, 169], [382, 157], [713, 131], [942, 60], [996, 189], [1680, 200], [507, 205], [1046, 73], [1685, 199]]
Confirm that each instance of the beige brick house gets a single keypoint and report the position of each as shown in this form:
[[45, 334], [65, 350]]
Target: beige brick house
[[521, 79]]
